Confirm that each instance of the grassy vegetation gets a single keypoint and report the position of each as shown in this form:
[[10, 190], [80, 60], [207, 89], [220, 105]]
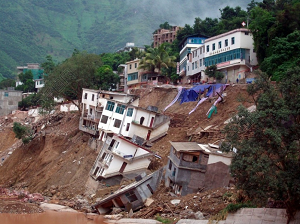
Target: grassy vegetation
[[231, 208]]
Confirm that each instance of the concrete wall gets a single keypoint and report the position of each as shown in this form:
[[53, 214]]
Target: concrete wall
[[154, 182], [9, 101], [217, 175], [214, 158]]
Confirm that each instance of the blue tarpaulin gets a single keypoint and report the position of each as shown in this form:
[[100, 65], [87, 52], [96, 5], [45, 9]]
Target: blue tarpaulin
[[191, 94]]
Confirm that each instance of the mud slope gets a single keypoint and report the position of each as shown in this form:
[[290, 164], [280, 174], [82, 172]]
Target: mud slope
[[60, 158], [182, 122]]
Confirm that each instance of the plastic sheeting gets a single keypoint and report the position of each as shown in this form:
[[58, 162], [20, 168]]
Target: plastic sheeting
[[192, 94]]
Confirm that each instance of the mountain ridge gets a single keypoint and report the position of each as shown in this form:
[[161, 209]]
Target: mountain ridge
[[32, 29]]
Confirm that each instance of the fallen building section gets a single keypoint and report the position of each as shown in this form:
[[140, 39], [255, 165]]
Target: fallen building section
[[120, 158], [133, 196], [194, 166], [121, 129]]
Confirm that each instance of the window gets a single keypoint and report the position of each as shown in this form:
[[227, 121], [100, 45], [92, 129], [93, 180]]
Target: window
[[200, 50], [170, 165], [135, 65], [110, 106], [131, 196], [129, 112], [85, 96], [93, 96], [104, 119], [174, 172], [120, 109], [132, 76], [103, 156], [6, 94], [232, 40], [150, 188], [129, 66], [91, 111], [226, 43], [220, 44], [142, 120], [207, 48], [127, 126], [117, 123], [190, 158], [200, 62], [193, 66], [117, 145], [213, 47]]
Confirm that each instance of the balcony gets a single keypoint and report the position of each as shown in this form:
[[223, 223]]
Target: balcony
[[99, 110], [88, 126]]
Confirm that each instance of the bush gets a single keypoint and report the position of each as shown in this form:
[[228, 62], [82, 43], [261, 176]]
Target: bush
[[22, 132]]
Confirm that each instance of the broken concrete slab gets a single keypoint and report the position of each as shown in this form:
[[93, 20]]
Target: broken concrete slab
[[55, 207], [148, 202], [175, 202]]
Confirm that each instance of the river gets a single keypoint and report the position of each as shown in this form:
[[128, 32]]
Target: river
[[49, 217]]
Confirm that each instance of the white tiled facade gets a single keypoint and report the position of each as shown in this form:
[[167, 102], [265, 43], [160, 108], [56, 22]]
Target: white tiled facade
[[232, 53]]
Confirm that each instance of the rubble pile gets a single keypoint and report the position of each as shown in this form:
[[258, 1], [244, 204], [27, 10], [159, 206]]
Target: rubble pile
[[201, 205]]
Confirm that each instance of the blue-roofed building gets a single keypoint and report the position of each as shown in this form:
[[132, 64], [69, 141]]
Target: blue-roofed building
[[187, 45]]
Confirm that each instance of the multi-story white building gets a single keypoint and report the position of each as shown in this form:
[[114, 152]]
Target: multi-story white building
[[232, 52], [96, 103], [129, 120], [195, 66], [120, 157], [104, 113], [189, 44]]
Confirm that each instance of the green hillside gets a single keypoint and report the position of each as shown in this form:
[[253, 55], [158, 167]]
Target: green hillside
[[29, 30]]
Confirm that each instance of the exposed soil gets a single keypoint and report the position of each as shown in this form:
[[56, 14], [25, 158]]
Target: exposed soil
[[56, 163]]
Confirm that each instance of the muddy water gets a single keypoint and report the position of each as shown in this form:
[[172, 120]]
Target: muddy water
[[49, 217]]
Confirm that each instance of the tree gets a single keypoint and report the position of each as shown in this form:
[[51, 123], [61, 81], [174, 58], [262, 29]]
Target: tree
[[28, 84], [68, 78], [266, 164], [106, 78], [184, 32], [48, 65], [251, 5], [29, 101], [211, 71], [165, 25], [136, 53], [286, 55], [1, 77], [47, 105], [231, 18], [157, 58], [22, 132], [261, 21], [207, 27], [7, 83]]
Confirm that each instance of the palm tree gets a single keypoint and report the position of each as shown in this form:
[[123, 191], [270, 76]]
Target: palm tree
[[156, 59]]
